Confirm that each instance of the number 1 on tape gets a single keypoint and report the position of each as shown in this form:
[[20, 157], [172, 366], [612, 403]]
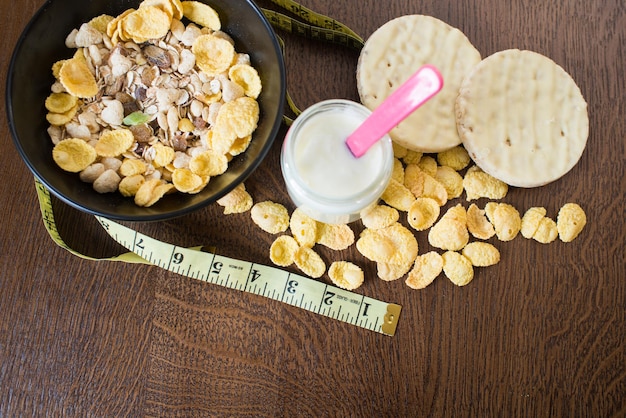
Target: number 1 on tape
[[261, 280]]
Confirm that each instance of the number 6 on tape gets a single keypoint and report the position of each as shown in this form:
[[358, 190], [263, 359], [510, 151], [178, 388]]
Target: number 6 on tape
[[261, 280]]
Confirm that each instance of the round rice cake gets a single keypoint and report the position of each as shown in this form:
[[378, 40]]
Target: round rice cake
[[394, 52], [522, 118]]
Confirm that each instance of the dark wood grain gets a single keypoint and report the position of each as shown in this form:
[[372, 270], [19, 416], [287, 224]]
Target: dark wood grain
[[540, 334]]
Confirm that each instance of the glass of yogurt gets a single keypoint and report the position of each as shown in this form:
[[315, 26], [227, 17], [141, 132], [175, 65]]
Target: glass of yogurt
[[323, 178]]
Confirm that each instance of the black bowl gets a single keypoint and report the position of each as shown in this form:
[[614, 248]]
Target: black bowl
[[28, 84]]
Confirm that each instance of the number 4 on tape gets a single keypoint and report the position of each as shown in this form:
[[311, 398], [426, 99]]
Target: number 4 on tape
[[261, 280]]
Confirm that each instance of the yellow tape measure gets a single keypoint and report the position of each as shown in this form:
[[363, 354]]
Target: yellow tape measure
[[270, 282]]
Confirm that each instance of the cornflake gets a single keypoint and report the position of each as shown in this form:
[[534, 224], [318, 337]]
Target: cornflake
[[451, 181], [546, 231], [398, 196], [505, 219], [270, 216], [477, 223], [334, 236], [531, 220], [309, 262], [426, 269], [73, 154], [457, 268], [570, 221], [379, 216], [422, 184], [423, 213], [390, 272], [237, 200], [450, 232], [393, 245], [456, 158], [479, 184], [346, 275], [303, 228], [481, 254], [283, 250]]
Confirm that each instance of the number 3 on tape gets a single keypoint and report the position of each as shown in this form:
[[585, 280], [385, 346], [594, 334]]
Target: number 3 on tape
[[261, 280]]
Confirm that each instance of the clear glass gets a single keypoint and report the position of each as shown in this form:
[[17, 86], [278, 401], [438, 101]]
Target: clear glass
[[322, 176]]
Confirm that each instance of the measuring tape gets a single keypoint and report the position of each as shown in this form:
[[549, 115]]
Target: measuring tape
[[262, 280]]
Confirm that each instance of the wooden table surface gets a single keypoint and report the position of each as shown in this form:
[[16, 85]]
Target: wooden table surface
[[542, 333]]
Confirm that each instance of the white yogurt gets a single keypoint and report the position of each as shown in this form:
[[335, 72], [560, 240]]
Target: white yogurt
[[323, 178]]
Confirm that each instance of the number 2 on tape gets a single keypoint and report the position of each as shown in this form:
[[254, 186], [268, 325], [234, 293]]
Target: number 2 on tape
[[261, 280]]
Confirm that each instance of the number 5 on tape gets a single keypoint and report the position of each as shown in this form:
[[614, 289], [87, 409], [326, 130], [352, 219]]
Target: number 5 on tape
[[261, 280]]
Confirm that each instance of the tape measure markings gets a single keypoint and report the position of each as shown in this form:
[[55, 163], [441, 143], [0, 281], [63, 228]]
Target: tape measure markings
[[261, 280]]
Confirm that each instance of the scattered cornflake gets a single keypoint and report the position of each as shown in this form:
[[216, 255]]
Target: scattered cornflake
[[346, 275], [477, 223], [237, 200], [334, 236], [546, 231], [531, 220], [456, 158], [570, 221], [457, 268], [479, 184], [283, 250], [270, 216], [423, 213], [389, 272], [303, 228], [379, 216], [422, 184], [505, 218], [451, 181], [428, 165], [426, 269], [481, 254], [450, 232], [394, 245], [309, 262], [398, 196]]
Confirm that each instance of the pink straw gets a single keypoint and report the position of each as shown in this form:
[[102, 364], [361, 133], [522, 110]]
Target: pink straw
[[417, 90]]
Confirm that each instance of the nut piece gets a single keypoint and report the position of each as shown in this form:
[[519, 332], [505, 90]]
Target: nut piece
[[570, 221]]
